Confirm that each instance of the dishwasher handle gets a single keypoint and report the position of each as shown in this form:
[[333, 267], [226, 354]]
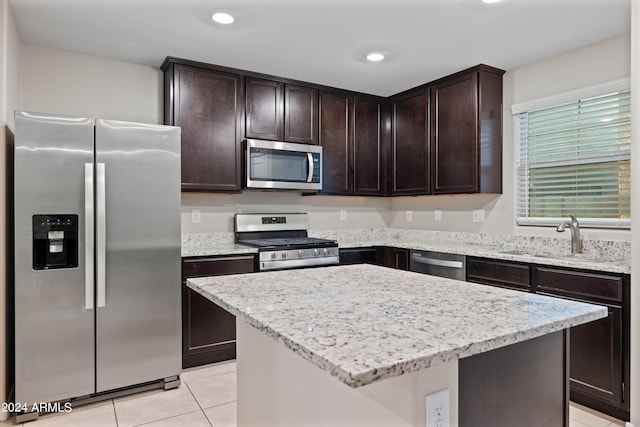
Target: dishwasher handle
[[437, 262]]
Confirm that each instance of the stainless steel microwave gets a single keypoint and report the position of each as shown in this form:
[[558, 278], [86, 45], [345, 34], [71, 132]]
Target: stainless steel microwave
[[282, 165]]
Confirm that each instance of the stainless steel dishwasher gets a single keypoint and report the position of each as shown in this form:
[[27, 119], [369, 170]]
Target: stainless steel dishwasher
[[438, 264]]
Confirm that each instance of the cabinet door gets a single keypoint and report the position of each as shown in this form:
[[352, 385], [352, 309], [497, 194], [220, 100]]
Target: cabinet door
[[358, 256], [410, 145], [454, 110], [596, 357], [336, 142], [395, 258], [208, 106], [367, 147], [300, 114], [208, 331], [504, 274], [264, 109], [599, 349]]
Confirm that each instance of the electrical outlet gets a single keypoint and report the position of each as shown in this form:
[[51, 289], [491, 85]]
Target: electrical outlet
[[437, 404], [437, 214], [195, 216], [478, 215], [343, 214], [409, 215]]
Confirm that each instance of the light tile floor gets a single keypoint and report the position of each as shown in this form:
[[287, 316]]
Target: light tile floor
[[207, 397]]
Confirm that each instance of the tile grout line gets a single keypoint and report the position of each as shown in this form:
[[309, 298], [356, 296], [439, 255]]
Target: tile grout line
[[171, 417], [197, 403], [115, 414]]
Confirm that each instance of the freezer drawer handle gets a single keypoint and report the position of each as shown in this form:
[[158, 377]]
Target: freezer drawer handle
[[88, 233], [438, 262], [101, 234]]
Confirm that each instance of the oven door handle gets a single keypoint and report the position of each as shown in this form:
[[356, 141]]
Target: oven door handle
[[310, 160]]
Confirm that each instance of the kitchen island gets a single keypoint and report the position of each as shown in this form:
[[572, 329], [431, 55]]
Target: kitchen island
[[391, 338]]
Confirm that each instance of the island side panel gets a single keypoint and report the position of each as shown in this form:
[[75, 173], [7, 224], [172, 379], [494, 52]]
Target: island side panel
[[524, 384], [277, 387]]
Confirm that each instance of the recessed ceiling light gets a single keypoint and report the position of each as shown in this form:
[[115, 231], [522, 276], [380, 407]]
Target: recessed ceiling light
[[376, 56], [223, 17], [491, 1]]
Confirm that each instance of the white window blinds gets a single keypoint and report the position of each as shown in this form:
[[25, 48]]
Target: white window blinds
[[573, 158]]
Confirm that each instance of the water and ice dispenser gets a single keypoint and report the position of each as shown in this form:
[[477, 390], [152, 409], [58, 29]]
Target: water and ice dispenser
[[55, 241]]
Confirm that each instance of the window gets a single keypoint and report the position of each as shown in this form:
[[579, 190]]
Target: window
[[573, 157]]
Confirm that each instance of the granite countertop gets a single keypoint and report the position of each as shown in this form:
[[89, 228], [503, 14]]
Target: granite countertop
[[541, 256], [363, 323], [605, 256]]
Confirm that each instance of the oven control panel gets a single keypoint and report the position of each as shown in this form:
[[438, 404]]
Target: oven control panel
[[292, 258]]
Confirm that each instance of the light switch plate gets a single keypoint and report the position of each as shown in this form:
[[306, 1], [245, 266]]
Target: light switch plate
[[409, 215], [343, 214], [478, 215], [437, 214], [195, 216]]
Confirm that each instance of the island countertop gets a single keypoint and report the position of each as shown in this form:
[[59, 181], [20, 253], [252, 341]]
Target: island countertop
[[363, 323]]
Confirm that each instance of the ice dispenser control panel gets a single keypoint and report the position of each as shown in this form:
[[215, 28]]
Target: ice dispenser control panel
[[55, 241]]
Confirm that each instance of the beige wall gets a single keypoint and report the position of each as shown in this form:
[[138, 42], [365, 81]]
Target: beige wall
[[324, 211], [68, 83], [61, 82], [598, 63], [9, 101], [635, 213]]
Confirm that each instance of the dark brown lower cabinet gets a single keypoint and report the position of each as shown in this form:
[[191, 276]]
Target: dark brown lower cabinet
[[384, 255], [366, 255], [208, 331], [599, 350], [523, 384], [504, 274], [394, 258]]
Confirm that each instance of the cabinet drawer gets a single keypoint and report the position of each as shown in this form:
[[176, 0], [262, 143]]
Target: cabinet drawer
[[218, 266], [358, 256], [498, 273], [579, 284]]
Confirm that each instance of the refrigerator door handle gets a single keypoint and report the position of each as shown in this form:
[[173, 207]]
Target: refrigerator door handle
[[89, 238], [101, 209]]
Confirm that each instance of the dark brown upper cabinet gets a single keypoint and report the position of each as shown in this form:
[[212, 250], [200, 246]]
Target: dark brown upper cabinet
[[410, 143], [281, 112], [443, 137], [336, 142], [367, 146], [466, 132], [300, 114], [351, 143], [208, 106]]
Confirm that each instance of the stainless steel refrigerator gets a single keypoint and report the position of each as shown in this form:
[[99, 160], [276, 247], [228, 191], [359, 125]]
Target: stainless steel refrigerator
[[97, 256]]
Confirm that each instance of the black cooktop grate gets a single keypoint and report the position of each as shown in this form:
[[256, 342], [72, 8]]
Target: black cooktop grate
[[287, 242]]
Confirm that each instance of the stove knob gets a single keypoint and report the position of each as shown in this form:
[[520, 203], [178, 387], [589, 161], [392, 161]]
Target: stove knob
[[273, 255], [316, 252], [326, 251], [284, 254], [300, 253]]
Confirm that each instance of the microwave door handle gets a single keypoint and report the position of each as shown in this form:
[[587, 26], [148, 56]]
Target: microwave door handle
[[310, 174]]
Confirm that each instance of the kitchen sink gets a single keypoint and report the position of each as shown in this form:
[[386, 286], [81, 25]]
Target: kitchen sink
[[584, 257]]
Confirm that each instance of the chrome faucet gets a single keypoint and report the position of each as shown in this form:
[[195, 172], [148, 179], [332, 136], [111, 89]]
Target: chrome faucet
[[576, 243]]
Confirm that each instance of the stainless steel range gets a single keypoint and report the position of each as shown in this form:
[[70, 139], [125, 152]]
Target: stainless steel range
[[282, 241]]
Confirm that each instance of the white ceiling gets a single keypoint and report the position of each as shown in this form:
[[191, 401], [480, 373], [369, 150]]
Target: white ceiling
[[324, 41]]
